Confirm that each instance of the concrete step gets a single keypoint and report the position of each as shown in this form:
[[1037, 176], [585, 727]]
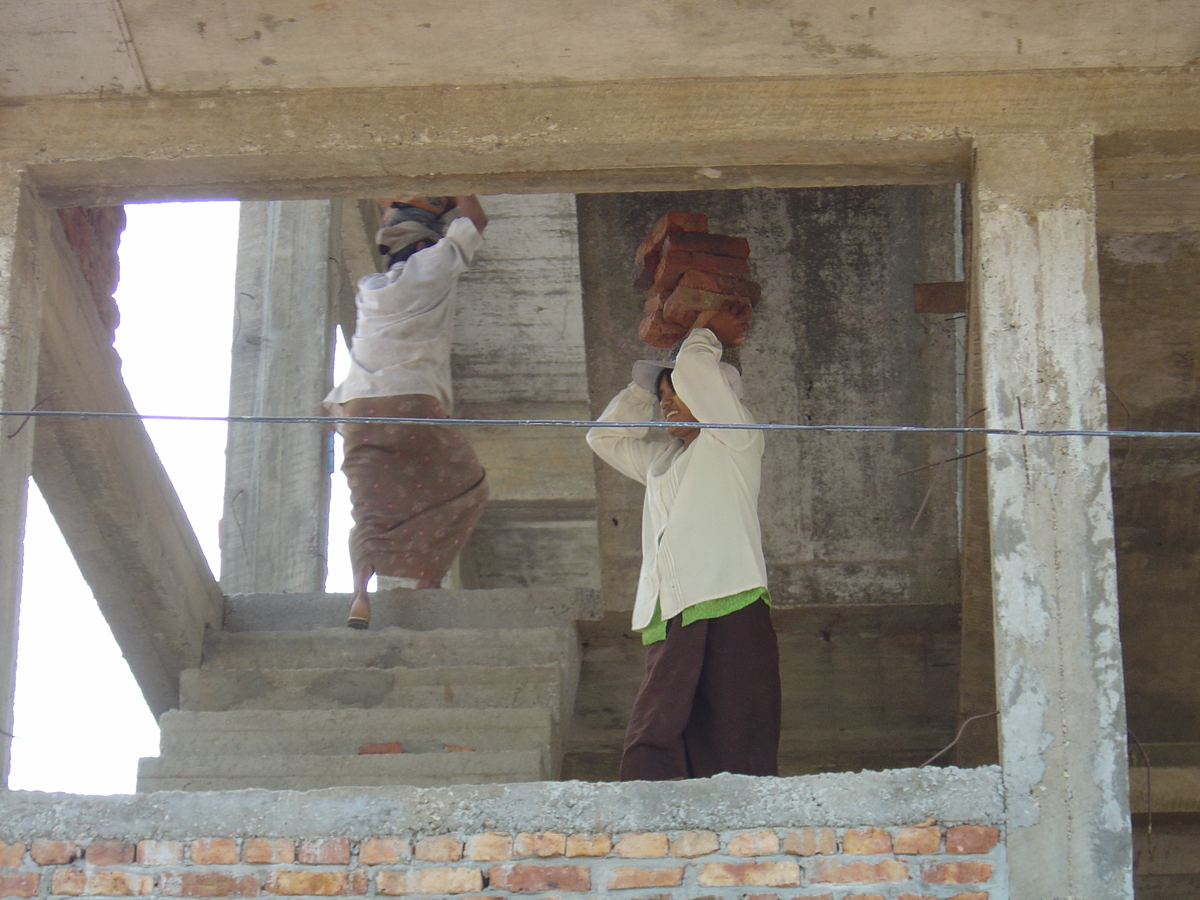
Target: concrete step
[[337, 732], [420, 610], [393, 648], [446, 687], [304, 773]]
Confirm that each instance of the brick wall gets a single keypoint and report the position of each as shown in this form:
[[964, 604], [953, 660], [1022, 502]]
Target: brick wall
[[918, 862], [94, 233]]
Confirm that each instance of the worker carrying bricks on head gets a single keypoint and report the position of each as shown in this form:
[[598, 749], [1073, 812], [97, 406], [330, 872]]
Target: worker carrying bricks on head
[[417, 490], [709, 701]]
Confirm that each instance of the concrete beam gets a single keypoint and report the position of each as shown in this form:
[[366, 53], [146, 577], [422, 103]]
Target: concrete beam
[[275, 524], [569, 137], [1058, 651], [108, 491], [20, 322]]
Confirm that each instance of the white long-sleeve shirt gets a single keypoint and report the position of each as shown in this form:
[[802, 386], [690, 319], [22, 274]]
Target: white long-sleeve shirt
[[404, 327], [700, 533]]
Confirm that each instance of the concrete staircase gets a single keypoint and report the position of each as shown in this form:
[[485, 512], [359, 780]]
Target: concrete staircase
[[478, 687]]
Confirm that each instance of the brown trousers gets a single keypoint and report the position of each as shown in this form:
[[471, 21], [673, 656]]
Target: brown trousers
[[709, 701], [417, 490]]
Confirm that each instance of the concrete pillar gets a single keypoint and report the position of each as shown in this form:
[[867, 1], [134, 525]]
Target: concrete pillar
[[20, 324], [273, 532], [1058, 652]]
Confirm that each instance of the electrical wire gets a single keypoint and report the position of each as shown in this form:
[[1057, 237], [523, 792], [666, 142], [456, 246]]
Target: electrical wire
[[588, 423]]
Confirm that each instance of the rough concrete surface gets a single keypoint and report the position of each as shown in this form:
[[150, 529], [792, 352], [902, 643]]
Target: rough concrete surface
[[893, 797]]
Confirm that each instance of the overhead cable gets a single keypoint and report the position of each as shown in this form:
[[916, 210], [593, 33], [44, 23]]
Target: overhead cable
[[588, 423]]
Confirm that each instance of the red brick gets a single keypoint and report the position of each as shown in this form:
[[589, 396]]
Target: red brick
[[448, 880], [382, 850], [657, 333], [784, 873], [68, 881], [215, 852], [208, 884], [704, 242], [53, 853], [748, 290], [159, 853], [643, 846], [864, 897], [866, 842], [729, 325], [917, 839], [831, 872], [589, 845], [529, 878], [754, 843], [118, 884], [810, 842], [492, 846], [674, 264], [11, 855], [265, 850], [649, 252], [915, 897], [624, 877], [381, 747], [296, 882], [683, 305], [691, 844], [545, 843], [109, 853], [965, 872], [442, 848], [24, 884], [327, 851], [971, 838], [971, 895]]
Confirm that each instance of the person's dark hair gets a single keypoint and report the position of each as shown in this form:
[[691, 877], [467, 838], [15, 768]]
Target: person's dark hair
[[664, 375]]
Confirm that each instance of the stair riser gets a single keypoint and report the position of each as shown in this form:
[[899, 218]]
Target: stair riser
[[227, 689], [393, 648]]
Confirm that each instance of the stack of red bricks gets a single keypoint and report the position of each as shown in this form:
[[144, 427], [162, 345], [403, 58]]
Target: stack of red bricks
[[686, 270], [918, 862]]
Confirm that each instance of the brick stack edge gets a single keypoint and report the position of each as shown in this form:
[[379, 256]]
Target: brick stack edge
[[920, 862], [94, 233], [685, 270]]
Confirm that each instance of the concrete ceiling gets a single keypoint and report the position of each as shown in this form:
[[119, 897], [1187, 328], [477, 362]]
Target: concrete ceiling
[[51, 47]]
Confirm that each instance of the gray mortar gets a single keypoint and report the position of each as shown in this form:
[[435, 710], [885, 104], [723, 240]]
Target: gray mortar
[[723, 803]]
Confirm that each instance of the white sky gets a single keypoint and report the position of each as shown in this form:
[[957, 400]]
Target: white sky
[[80, 721]]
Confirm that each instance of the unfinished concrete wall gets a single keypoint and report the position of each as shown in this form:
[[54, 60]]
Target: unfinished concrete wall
[[834, 341], [863, 598], [518, 353]]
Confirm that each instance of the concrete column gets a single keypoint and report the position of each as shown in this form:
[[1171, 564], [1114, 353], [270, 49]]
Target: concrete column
[[273, 532], [20, 324], [1058, 652]]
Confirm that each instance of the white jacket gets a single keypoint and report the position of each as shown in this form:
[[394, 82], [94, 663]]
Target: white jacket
[[404, 327], [700, 533]]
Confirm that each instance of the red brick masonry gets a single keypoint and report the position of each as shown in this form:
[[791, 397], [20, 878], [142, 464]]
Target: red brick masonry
[[919, 862], [687, 270]]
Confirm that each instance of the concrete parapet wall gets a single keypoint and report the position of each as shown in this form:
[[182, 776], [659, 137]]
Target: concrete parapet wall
[[931, 833]]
